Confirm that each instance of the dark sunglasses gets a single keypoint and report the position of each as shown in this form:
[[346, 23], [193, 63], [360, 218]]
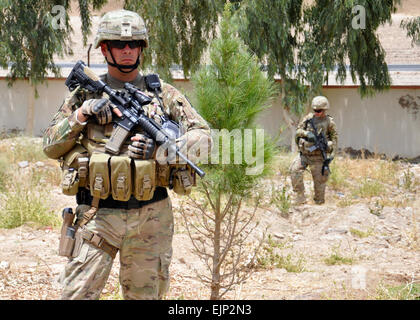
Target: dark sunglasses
[[318, 111], [117, 44]]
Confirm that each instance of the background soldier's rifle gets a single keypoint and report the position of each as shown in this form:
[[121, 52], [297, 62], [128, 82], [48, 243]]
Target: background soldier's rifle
[[321, 143]]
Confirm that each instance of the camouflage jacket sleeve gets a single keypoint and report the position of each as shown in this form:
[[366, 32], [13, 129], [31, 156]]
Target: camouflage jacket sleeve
[[332, 135], [180, 110], [64, 130], [301, 130]]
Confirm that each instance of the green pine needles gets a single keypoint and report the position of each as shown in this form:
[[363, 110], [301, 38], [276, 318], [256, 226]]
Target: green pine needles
[[231, 92]]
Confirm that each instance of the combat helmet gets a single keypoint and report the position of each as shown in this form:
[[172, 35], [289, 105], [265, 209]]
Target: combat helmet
[[122, 25], [320, 103]]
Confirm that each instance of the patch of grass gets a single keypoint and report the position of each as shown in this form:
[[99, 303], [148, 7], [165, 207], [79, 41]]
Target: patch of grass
[[23, 148], [369, 189], [361, 234], [345, 202], [408, 181], [269, 258], [287, 262], [336, 258], [338, 176], [281, 200], [46, 176], [385, 171], [22, 206], [413, 234], [408, 291], [4, 169]]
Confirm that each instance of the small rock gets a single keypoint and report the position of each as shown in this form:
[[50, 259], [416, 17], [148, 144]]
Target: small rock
[[23, 164], [4, 265], [278, 235], [297, 231], [337, 230], [296, 237], [39, 164], [331, 237]]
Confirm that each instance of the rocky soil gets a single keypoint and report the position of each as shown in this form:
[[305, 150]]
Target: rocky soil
[[355, 251]]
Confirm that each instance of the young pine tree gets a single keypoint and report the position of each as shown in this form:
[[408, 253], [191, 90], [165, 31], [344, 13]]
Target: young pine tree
[[230, 92]]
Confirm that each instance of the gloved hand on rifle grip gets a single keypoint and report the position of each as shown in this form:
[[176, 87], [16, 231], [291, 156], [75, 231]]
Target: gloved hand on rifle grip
[[142, 147], [310, 136], [100, 108]]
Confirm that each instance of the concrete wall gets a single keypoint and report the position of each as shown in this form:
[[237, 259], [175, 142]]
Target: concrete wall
[[14, 104], [387, 123]]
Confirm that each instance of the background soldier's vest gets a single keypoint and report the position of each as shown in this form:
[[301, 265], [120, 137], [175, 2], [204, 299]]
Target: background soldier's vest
[[321, 125]]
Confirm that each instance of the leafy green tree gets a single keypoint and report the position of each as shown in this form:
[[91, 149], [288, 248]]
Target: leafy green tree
[[344, 32], [271, 29], [32, 33], [230, 93], [412, 25], [304, 44], [179, 31]]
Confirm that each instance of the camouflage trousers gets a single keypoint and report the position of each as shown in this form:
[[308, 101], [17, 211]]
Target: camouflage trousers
[[297, 168], [144, 239]]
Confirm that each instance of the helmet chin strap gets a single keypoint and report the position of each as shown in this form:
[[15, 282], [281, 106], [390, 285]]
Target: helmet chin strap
[[120, 67]]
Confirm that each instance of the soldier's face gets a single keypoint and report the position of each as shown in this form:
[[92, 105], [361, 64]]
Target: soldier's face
[[319, 113], [124, 56]]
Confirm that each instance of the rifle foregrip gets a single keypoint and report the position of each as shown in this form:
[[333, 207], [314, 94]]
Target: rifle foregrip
[[154, 132], [119, 135]]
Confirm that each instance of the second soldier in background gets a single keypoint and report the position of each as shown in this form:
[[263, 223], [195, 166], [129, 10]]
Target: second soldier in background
[[317, 123]]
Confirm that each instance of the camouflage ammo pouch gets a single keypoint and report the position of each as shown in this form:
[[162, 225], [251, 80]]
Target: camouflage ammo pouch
[[121, 178], [75, 170], [182, 180], [163, 173], [99, 180], [70, 182], [144, 179]]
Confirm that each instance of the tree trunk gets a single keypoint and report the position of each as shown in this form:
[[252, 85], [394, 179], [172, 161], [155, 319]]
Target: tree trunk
[[289, 123], [215, 283], [30, 111]]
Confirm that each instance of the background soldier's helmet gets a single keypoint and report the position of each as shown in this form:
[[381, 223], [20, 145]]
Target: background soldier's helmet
[[121, 25], [320, 102]]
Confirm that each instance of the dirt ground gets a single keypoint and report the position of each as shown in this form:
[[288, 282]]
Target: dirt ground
[[381, 249]]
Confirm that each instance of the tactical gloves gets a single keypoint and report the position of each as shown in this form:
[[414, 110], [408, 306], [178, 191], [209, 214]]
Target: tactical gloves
[[100, 108], [195, 145], [142, 147], [310, 136]]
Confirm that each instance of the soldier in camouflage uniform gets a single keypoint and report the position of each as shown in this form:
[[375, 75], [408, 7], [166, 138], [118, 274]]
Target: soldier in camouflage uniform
[[134, 217], [305, 139]]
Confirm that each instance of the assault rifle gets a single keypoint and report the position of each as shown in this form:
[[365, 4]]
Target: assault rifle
[[321, 143], [130, 104]]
